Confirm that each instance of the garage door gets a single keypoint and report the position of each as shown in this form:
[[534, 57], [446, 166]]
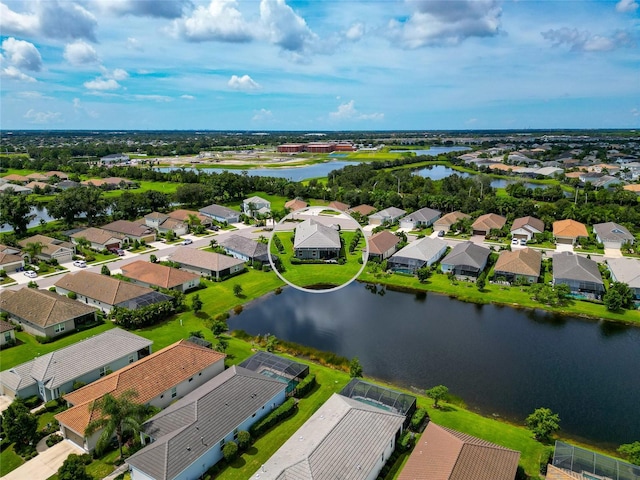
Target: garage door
[[612, 245], [565, 241], [74, 437], [520, 236]]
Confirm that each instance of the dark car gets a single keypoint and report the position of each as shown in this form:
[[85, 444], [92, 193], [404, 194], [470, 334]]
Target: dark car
[[441, 233], [117, 251]]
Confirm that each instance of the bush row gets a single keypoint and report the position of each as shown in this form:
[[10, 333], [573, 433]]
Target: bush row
[[418, 420], [305, 386], [287, 409]]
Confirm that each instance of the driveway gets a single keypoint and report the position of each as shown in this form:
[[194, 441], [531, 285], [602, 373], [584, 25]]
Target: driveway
[[4, 403], [564, 247], [612, 253], [45, 464]]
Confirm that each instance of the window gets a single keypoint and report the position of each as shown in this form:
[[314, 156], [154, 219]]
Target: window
[[221, 443], [132, 358], [235, 434], [59, 328], [103, 370], [191, 379], [174, 392], [7, 336]]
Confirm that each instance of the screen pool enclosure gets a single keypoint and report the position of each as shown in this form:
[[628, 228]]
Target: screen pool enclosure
[[381, 397], [280, 368], [592, 465]]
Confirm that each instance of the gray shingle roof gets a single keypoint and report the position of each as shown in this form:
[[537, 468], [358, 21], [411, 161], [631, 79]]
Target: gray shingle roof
[[467, 253], [201, 259], [343, 439], [219, 211], [391, 212], [569, 266], [311, 234], [425, 215], [626, 270], [613, 232], [423, 249], [67, 364], [244, 246], [198, 422]]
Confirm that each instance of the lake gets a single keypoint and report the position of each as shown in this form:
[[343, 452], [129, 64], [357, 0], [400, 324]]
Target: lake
[[433, 151], [40, 214], [500, 360]]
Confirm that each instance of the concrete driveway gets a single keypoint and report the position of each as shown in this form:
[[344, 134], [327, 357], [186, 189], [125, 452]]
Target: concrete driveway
[[4, 403], [45, 464], [612, 253], [564, 247]]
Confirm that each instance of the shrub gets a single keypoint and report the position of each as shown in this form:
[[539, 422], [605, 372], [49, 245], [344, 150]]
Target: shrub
[[405, 442], [418, 419], [287, 409], [43, 340], [52, 289], [77, 384], [53, 439], [305, 386], [237, 309], [244, 439], [51, 405], [31, 402], [230, 451], [72, 295]]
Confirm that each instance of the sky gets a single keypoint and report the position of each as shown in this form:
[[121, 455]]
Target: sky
[[319, 65]]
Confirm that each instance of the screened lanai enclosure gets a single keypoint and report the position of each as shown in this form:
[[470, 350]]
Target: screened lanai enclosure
[[280, 368], [592, 465], [381, 397]]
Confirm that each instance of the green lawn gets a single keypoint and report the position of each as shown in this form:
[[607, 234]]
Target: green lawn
[[9, 460], [277, 202]]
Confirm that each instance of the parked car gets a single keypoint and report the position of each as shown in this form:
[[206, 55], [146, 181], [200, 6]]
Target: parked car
[[523, 242], [186, 241], [515, 241], [215, 228], [80, 263], [117, 251], [30, 274], [441, 233]]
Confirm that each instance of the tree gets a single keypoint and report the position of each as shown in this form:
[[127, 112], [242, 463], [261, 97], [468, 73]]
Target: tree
[[437, 393], [542, 422], [219, 327], [272, 343], [118, 416], [237, 289], [105, 270], [196, 303], [244, 439], [482, 281], [618, 297], [15, 210], [33, 249], [153, 258], [221, 346], [631, 451], [230, 451], [355, 368], [19, 424], [423, 274], [73, 468]]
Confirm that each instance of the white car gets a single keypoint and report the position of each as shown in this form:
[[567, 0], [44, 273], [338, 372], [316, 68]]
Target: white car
[[515, 241], [30, 274], [80, 263], [186, 241]]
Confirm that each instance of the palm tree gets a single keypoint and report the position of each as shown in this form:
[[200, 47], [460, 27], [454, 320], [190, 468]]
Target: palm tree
[[118, 415], [192, 221], [33, 249]]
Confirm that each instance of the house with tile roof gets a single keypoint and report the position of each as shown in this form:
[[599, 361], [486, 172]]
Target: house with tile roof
[[295, 204], [15, 178], [43, 313], [53, 374], [388, 215], [420, 253], [245, 249], [131, 231], [569, 231], [487, 222], [445, 454], [56, 173], [208, 264], [10, 262], [105, 292], [158, 379], [220, 214], [98, 238], [613, 235], [336, 205], [344, 438], [52, 248], [382, 245], [626, 270], [313, 240], [524, 228], [580, 273], [163, 223], [466, 260], [425, 217], [7, 333], [517, 265], [186, 439], [255, 205], [14, 189], [38, 185], [445, 222], [150, 275], [364, 210], [184, 216]]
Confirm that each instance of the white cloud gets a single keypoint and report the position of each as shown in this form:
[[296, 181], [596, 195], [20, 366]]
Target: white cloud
[[355, 32], [348, 111], [187, 97], [585, 41], [443, 22], [284, 27], [145, 8], [42, 117], [262, 115], [220, 21], [79, 107], [118, 74], [80, 53], [50, 19], [133, 44], [154, 98], [635, 112], [15, 74], [22, 55], [626, 6], [244, 83], [102, 84]]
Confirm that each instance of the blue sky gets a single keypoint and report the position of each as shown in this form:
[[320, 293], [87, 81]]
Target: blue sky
[[319, 65]]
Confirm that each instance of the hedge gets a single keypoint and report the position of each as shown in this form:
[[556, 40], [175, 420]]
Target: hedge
[[418, 419], [287, 409], [305, 386]]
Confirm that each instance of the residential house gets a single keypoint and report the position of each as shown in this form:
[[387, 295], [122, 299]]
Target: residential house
[[606, 181], [245, 249], [444, 223], [186, 439], [53, 374], [517, 265], [445, 454], [549, 171], [613, 235], [98, 238], [336, 205], [626, 270], [388, 215], [635, 188], [569, 231], [10, 262], [344, 438], [105, 292], [466, 260], [571, 462], [7, 333], [295, 204], [382, 245], [15, 178], [114, 158], [158, 379], [256, 205], [221, 214], [209, 264], [43, 313], [56, 173], [487, 222], [131, 231], [424, 217], [39, 185], [67, 184], [163, 223], [37, 177], [150, 274], [419, 253], [12, 188], [362, 210], [314, 240], [52, 248], [580, 273], [185, 216], [524, 228], [110, 183]]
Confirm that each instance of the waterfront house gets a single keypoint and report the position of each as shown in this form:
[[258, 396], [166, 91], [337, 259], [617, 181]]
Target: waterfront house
[[466, 260], [53, 374], [523, 264], [158, 379], [295, 204], [186, 439], [220, 214], [314, 240], [445, 454], [613, 235], [98, 238], [151, 275], [417, 254], [131, 231], [7, 333], [255, 205], [424, 217], [388, 215], [245, 249], [569, 231], [524, 228], [487, 222], [67, 184], [580, 273], [445, 222], [43, 313], [209, 264], [626, 270], [52, 248], [382, 245], [14, 189]]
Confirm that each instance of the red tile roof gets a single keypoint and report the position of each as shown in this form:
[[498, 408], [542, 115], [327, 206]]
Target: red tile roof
[[156, 274], [382, 241], [569, 228]]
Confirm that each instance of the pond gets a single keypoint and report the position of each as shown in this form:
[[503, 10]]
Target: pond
[[433, 151], [40, 213], [500, 360]]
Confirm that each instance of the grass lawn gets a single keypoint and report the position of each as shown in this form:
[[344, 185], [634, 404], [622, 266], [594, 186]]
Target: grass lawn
[[277, 202], [9, 460], [314, 274]]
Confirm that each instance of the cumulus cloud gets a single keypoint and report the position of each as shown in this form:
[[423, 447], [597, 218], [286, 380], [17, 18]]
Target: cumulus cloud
[[13, 73], [80, 53], [117, 74], [102, 84], [262, 115], [42, 117], [220, 21], [443, 22], [244, 83], [284, 27], [50, 19], [626, 6], [348, 111], [585, 41], [22, 55], [187, 97], [355, 32], [145, 8], [133, 44]]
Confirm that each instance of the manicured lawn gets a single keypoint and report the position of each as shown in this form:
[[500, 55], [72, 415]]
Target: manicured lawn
[[9, 460]]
